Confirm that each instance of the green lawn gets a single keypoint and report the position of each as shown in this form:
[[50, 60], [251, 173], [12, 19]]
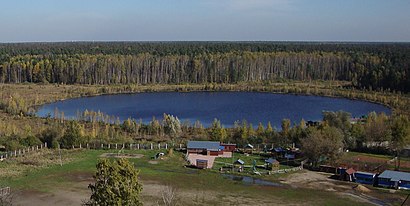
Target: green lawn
[[171, 171]]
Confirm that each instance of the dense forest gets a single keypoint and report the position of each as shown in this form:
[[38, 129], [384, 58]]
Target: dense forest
[[376, 66]]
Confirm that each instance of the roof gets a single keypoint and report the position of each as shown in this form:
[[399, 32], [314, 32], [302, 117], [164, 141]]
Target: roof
[[240, 161], [228, 144], [249, 146], [350, 171], [271, 161], [395, 175], [364, 173], [278, 149], [208, 145]]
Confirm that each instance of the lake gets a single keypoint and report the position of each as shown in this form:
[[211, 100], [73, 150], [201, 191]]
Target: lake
[[228, 107]]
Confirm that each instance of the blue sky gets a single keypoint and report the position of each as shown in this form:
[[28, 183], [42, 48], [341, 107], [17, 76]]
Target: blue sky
[[204, 20]]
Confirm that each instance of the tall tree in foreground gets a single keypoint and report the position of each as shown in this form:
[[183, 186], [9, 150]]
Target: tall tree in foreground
[[116, 183]]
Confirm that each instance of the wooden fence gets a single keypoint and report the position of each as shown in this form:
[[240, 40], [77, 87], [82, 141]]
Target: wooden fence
[[22, 152], [293, 169], [128, 146]]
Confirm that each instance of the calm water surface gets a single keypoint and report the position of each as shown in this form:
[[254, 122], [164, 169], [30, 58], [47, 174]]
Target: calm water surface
[[228, 107]]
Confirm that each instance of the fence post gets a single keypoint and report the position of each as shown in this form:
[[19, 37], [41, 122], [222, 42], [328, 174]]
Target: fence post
[[166, 146], [131, 146], [123, 145], [41, 146], [151, 146], [159, 145], [138, 146], [180, 146], [102, 145], [109, 146], [15, 153], [88, 146], [80, 145], [45, 144], [116, 146]]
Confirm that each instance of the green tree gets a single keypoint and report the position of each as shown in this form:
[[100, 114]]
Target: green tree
[[217, 132], [260, 130], [72, 135], [285, 127], [325, 143], [116, 184], [400, 128], [172, 125]]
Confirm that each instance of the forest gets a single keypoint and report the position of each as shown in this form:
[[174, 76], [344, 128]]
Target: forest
[[372, 66], [32, 74]]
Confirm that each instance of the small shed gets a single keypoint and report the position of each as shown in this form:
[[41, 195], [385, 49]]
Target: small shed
[[241, 164], [201, 164], [249, 148], [278, 152], [239, 161], [394, 179], [272, 163], [348, 174]]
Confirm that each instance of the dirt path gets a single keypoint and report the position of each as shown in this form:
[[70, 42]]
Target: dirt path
[[77, 192], [322, 181]]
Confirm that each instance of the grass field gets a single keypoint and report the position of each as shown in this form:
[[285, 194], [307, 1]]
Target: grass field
[[67, 184]]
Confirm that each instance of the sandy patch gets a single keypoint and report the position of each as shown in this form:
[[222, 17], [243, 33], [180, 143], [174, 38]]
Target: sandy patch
[[153, 162]]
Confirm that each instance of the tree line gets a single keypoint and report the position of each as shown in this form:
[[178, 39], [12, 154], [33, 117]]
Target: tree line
[[371, 66]]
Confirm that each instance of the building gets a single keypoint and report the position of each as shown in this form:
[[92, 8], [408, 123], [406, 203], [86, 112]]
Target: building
[[394, 179], [205, 148], [202, 154], [228, 147], [365, 178], [272, 163], [209, 148], [201, 164], [248, 149]]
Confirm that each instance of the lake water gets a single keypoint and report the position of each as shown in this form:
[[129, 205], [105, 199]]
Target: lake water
[[251, 180], [228, 107]]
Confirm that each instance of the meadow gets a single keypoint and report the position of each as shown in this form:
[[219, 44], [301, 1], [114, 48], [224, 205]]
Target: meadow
[[47, 182]]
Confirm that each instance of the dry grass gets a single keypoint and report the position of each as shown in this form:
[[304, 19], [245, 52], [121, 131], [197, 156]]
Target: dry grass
[[15, 167]]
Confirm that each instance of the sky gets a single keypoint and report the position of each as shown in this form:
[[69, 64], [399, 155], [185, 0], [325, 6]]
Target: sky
[[204, 20]]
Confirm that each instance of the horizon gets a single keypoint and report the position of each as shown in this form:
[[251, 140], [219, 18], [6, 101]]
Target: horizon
[[207, 20], [206, 41]]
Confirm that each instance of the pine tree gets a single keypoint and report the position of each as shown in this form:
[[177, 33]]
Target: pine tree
[[116, 184]]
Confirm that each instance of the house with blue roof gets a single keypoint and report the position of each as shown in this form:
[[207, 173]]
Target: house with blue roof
[[394, 179], [209, 148]]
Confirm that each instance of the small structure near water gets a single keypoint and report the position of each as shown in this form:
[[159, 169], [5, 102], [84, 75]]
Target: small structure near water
[[272, 163]]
